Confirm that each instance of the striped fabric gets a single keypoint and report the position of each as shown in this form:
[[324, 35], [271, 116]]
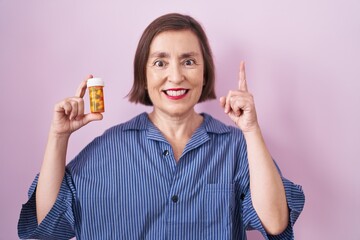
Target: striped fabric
[[126, 185]]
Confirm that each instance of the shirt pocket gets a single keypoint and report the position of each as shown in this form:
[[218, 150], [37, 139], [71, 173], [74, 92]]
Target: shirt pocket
[[219, 210]]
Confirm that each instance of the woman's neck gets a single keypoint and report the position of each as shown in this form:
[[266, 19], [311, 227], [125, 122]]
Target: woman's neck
[[176, 127]]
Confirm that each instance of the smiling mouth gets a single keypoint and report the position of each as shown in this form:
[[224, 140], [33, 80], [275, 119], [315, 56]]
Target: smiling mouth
[[176, 93]]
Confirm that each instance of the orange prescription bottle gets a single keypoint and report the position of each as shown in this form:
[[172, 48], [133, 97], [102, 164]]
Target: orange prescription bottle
[[96, 93]]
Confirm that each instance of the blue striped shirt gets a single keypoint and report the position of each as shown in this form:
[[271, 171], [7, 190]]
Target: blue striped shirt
[[126, 184]]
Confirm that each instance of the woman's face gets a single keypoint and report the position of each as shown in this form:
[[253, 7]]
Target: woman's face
[[175, 72]]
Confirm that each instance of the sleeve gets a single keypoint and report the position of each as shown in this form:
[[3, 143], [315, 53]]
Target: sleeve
[[58, 223], [294, 196], [295, 199]]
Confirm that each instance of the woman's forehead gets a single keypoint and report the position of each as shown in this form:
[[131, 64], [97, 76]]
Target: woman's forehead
[[183, 42]]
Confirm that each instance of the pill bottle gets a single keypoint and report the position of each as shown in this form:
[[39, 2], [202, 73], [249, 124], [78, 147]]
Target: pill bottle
[[96, 94]]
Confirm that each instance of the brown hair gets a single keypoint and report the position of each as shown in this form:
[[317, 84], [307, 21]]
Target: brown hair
[[168, 22]]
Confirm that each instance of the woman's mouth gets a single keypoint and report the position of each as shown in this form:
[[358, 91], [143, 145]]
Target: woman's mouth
[[176, 93]]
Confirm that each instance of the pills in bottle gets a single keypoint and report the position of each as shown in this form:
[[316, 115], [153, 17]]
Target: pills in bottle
[[96, 93]]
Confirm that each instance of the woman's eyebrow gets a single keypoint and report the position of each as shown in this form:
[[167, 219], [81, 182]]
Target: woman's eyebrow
[[167, 55], [189, 54], [159, 55]]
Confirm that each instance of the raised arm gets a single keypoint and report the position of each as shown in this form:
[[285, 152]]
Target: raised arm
[[68, 117], [267, 190]]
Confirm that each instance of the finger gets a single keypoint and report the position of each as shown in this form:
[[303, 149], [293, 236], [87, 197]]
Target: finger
[[80, 92], [66, 106], [77, 108], [227, 106], [237, 104], [232, 95], [242, 77], [81, 108], [74, 109]]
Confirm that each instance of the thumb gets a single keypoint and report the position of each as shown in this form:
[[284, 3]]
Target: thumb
[[90, 117], [222, 101]]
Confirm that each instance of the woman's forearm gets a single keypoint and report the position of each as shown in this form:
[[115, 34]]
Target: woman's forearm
[[51, 174], [267, 190]]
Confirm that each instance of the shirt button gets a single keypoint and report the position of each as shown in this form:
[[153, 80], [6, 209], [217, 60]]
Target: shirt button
[[175, 198], [166, 152], [242, 197]]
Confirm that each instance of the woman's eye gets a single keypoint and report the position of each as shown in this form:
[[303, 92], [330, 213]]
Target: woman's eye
[[159, 63], [189, 62]]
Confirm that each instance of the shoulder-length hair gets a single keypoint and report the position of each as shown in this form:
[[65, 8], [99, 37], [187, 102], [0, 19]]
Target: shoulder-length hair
[[170, 22]]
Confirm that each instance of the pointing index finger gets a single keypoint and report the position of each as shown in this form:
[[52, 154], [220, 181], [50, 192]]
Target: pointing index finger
[[80, 92], [242, 77]]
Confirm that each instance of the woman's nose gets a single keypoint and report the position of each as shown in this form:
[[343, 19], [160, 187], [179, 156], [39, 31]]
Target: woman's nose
[[175, 74]]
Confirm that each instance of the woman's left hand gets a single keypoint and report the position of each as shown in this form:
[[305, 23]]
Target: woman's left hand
[[239, 105]]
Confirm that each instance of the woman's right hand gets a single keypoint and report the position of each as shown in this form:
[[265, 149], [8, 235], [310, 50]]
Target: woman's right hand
[[69, 114]]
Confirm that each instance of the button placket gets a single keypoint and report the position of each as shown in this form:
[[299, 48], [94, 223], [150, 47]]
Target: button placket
[[166, 154]]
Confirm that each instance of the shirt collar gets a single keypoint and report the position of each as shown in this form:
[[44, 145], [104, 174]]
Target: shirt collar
[[142, 122]]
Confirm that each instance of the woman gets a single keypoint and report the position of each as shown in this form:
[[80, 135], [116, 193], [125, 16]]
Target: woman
[[169, 174]]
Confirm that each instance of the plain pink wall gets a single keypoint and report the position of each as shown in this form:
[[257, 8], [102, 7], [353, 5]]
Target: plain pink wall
[[302, 66]]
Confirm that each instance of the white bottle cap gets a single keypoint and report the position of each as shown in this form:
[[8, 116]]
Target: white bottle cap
[[92, 82]]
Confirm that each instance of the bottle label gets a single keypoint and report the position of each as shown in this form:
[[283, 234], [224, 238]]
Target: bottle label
[[96, 99]]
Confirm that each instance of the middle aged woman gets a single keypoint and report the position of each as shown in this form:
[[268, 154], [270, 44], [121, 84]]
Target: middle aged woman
[[172, 173]]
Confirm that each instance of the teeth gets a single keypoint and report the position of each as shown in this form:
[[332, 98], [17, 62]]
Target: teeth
[[175, 93]]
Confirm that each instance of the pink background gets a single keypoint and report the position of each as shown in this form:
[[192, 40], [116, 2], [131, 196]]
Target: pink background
[[303, 62]]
